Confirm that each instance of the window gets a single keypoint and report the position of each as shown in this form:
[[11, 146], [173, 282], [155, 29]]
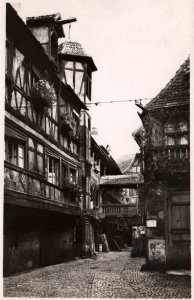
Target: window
[[73, 177], [35, 157], [52, 169], [176, 133], [14, 152], [64, 172], [74, 76], [20, 156]]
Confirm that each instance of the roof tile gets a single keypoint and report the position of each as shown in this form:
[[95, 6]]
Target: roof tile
[[175, 92]]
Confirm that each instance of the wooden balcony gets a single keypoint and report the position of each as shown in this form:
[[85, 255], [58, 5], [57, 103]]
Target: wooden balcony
[[167, 159], [119, 210], [31, 185]]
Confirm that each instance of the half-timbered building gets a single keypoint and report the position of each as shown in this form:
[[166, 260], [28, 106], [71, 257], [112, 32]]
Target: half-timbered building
[[76, 69], [164, 144], [43, 179]]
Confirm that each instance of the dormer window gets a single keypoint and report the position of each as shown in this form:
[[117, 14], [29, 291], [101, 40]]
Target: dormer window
[[74, 76], [77, 68]]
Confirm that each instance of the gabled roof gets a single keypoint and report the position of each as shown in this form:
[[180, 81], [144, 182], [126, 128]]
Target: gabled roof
[[75, 50], [134, 161], [176, 92], [52, 17], [47, 19], [23, 37], [129, 180], [25, 41], [103, 155]]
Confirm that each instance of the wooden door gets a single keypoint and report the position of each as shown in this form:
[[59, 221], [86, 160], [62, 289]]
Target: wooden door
[[179, 229]]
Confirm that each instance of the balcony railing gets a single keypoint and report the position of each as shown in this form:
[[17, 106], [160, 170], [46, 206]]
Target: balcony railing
[[42, 95], [119, 210], [167, 158], [20, 180]]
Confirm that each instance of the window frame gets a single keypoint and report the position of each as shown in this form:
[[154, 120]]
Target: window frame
[[175, 134], [36, 153], [12, 153], [55, 162]]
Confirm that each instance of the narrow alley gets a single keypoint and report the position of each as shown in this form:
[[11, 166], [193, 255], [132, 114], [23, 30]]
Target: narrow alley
[[96, 200], [113, 274]]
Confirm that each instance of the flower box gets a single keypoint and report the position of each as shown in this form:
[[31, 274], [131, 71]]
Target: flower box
[[43, 95], [66, 122]]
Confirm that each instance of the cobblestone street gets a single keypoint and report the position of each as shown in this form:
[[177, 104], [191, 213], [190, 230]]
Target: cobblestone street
[[111, 275]]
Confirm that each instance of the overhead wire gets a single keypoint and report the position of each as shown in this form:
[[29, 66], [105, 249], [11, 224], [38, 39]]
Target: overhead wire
[[138, 101], [118, 101]]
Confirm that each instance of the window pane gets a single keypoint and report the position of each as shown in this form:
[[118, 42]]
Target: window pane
[[40, 163], [169, 128], [78, 66], [31, 160], [53, 167], [20, 157], [169, 140], [69, 64], [30, 143], [39, 148], [182, 127], [183, 139], [78, 81], [69, 77], [72, 176]]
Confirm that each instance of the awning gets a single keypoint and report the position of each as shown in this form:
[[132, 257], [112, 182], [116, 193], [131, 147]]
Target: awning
[[11, 133]]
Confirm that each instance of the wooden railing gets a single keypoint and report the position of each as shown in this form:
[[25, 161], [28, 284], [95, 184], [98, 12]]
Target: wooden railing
[[167, 158], [24, 181], [119, 210]]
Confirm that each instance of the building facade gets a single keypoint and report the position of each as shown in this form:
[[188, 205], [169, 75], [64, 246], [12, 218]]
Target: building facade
[[165, 145], [47, 147]]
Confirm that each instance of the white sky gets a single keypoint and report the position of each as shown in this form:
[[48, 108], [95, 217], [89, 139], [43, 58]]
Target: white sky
[[137, 46]]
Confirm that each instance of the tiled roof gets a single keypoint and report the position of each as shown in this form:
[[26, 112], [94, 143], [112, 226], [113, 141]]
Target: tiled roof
[[176, 92], [122, 180], [72, 48], [134, 163], [75, 49], [52, 17], [103, 154]]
